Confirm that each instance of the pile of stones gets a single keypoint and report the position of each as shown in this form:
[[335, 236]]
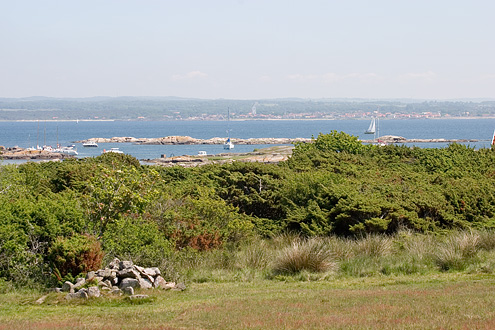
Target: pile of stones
[[119, 277]]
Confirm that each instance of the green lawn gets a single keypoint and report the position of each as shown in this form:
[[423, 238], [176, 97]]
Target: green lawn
[[443, 301]]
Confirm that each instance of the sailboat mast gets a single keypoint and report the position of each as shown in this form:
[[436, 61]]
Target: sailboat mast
[[377, 128], [228, 122], [38, 136]]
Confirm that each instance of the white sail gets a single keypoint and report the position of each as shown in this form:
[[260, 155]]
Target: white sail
[[372, 128]]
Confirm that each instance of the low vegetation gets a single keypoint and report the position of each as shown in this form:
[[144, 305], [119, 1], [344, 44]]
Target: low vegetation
[[341, 203], [337, 211]]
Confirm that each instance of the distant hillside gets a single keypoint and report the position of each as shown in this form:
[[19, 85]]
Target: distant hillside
[[175, 108]]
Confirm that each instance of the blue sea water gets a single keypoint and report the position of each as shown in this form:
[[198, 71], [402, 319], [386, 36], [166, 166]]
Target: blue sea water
[[29, 134]]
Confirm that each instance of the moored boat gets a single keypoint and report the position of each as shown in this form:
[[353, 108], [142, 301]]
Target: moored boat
[[114, 150], [66, 150], [90, 144]]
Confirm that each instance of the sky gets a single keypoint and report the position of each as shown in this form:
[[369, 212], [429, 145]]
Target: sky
[[248, 49]]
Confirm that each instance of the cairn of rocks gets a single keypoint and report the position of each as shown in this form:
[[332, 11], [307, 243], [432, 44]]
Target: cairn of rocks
[[120, 277]]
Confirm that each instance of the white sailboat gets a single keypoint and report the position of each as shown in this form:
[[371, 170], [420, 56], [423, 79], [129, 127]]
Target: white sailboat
[[372, 128], [228, 145]]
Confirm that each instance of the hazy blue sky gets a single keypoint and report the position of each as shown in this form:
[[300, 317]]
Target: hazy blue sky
[[248, 49]]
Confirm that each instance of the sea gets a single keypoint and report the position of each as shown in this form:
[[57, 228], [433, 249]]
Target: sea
[[26, 134]]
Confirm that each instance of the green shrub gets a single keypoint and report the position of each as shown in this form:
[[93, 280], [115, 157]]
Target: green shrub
[[74, 255], [136, 239]]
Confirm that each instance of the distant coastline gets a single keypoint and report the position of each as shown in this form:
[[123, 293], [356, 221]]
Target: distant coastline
[[243, 119]]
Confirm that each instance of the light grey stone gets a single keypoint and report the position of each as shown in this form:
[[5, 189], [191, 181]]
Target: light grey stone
[[79, 282], [152, 271], [160, 283], [93, 291], [90, 276], [149, 278], [118, 292], [125, 264], [179, 287], [145, 283], [41, 300], [128, 273], [106, 283], [112, 274], [129, 290], [81, 294], [129, 282], [114, 264], [139, 269], [68, 287]]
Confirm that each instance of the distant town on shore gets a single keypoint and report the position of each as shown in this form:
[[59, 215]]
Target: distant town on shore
[[173, 108]]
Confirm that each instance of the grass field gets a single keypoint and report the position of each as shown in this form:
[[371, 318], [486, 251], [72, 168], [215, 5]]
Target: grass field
[[438, 301]]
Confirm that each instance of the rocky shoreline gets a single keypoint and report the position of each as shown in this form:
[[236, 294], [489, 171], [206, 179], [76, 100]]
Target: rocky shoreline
[[187, 140], [27, 154]]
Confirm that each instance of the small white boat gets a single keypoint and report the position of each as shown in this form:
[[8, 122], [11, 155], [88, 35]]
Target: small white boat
[[228, 145], [372, 128], [202, 153], [66, 150], [90, 144], [114, 150]]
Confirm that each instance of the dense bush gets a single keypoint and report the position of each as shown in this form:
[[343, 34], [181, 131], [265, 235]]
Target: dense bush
[[135, 239], [75, 255], [333, 186]]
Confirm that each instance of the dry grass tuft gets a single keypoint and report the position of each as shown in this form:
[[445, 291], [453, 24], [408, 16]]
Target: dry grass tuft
[[312, 255], [373, 246], [457, 251]]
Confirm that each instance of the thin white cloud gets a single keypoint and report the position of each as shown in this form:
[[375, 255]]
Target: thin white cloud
[[302, 77], [265, 78], [428, 75], [193, 75], [332, 77]]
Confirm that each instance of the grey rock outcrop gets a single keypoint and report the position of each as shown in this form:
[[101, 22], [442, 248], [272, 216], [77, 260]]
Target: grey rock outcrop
[[119, 277]]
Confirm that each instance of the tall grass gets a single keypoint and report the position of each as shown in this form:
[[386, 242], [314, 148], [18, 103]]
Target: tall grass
[[457, 251], [312, 255], [332, 257], [373, 246]]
